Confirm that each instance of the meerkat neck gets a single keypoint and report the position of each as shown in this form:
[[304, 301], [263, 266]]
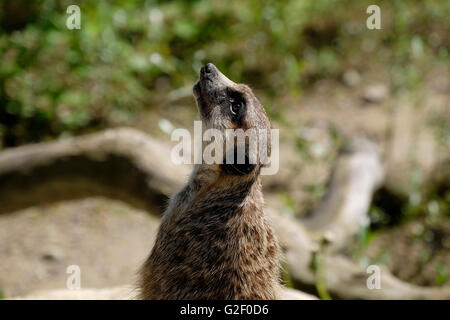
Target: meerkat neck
[[206, 183]]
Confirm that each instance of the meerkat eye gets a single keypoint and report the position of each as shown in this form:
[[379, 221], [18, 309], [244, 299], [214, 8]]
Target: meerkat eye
[[235, 107]]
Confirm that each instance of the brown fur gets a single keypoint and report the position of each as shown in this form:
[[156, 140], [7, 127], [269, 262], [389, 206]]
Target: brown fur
[[214, 241]]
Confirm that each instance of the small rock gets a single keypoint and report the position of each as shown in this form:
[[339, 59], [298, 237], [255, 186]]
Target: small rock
[[317, 136], [375, 93], [166, 126], [52, 254], [351, 78]]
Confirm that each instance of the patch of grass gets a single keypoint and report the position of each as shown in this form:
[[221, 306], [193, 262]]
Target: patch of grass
[[317, 191], [285, 276], [288, 202], [318, 266], [443, 274], [129, 54]]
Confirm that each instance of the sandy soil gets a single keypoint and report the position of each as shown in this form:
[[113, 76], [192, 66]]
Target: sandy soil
[[107, 239]]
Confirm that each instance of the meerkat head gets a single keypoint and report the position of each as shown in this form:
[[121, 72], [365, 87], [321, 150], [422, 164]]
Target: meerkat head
[[228, 106]]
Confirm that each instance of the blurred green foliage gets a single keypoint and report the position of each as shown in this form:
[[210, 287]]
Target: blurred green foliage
[[56, 81], [443, 275]]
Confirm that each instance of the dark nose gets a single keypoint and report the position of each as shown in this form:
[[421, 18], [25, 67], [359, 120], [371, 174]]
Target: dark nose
[[208, 68]]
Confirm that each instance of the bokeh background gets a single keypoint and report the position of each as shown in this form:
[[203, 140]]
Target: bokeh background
[[321, 74]]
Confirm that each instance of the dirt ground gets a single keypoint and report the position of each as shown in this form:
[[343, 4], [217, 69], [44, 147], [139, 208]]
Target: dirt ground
[[107, 239], [417, 252]]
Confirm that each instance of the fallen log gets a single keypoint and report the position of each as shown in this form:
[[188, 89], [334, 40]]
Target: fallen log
[[343, 211], [123, 163], [344, 278]]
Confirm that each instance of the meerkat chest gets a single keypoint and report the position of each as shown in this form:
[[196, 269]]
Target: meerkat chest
[[224, 257]]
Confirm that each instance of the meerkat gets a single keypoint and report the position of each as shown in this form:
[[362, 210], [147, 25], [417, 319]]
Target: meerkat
[[214, 241]]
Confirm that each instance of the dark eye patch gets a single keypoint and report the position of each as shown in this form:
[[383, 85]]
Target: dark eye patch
[[234, 95], [236, 106]]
